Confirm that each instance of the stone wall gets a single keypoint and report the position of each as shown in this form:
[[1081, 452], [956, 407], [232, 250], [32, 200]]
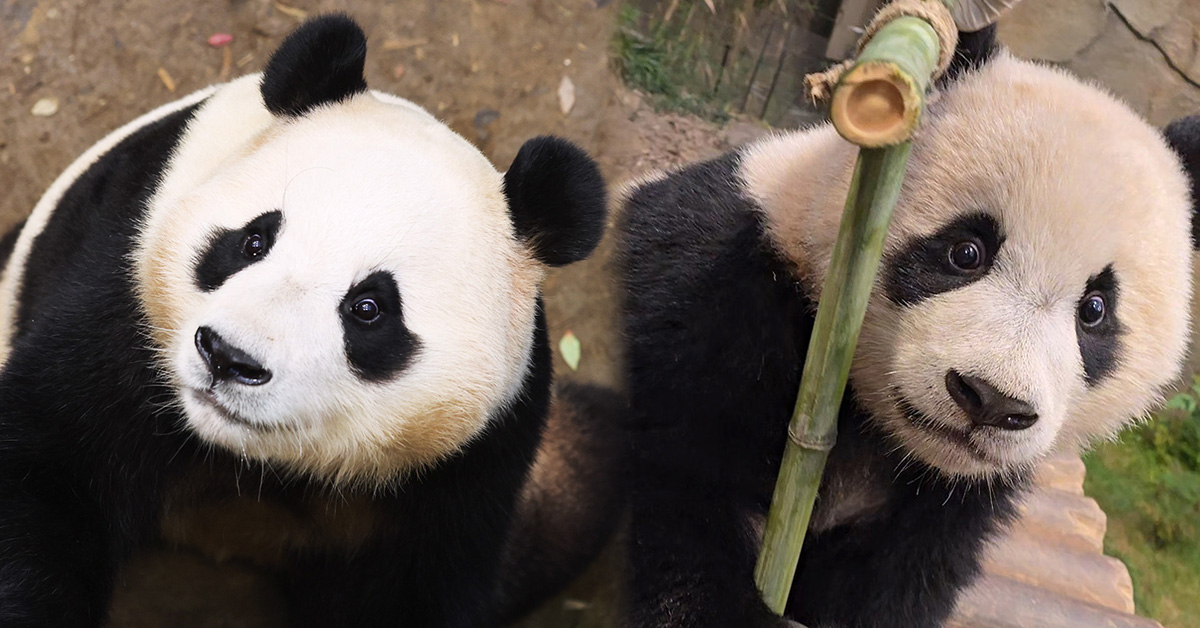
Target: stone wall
[[1145, 51]]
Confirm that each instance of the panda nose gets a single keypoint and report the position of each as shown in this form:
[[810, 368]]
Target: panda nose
[[985, 405], [226, 362]]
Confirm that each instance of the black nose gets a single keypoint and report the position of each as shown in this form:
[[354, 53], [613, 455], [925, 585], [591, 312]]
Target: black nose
[[985, 405], [227, 362]]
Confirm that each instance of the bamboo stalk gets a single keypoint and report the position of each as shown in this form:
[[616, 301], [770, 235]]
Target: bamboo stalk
[[908, 54]]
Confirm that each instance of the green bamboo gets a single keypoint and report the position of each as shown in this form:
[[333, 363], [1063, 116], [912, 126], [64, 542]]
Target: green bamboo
[[874, 189]]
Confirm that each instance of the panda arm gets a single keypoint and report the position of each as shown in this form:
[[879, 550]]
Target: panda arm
[[715, 326], [905, 567], [54, 567]]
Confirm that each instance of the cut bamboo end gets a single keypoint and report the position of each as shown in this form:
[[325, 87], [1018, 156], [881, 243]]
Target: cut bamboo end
[[875, 105]]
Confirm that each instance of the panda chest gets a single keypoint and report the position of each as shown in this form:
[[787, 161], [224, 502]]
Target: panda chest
[[227, 517]]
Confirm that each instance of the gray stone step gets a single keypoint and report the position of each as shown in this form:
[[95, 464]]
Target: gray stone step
[[1070, 520], [998, 602], [1085, 576]]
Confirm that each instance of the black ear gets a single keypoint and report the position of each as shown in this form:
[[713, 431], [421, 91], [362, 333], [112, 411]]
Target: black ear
[[320, 62], [1184, 136], [974, 50], [557, 200]]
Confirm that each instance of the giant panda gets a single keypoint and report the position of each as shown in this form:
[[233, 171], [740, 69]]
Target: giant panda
[[296, 322], [1033, 296]]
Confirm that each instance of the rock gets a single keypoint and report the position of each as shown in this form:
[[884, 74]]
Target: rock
[[45, 107], [1085, 576], [1148, 15], [1071, 521], [483, 123], [996, 602], [1063, 473], [1052, 31]]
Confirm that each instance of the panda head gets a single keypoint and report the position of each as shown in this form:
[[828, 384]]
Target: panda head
[[1034, 291], [353, 291]]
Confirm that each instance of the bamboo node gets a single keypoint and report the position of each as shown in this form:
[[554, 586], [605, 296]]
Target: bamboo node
[[821, 443], [820, 84]]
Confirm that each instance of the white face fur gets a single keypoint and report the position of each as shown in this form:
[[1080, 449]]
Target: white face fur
[[1052, 182], [369, 189]]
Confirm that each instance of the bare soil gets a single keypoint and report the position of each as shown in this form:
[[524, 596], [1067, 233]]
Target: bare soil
[[491, 69]]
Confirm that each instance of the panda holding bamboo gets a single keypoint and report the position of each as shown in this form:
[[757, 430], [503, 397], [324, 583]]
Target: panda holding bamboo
[[295, 321], [1033, 297]]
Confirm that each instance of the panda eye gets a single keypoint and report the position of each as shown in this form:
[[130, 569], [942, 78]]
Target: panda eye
[[254, 245], [1092, 309], [366, 310], [967, 255]]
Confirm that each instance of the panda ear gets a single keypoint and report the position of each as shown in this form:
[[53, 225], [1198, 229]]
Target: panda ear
[[557, 200], [1184, 137], [321, 62], [974, 50]]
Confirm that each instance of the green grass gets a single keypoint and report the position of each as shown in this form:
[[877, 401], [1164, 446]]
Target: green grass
[[1148, 484], [664, 67]]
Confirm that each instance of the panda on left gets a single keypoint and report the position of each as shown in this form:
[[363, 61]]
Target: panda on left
[[294, 279]]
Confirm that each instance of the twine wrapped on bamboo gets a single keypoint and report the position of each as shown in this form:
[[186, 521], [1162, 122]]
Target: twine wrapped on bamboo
[[876, 104]]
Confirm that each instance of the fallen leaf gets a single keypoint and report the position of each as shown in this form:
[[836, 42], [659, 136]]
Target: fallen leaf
[[566, 95], [713, 8], [166, 79], [571, 350], [398, 70], [572, 604], [299, 14], [404, 44], [454, 39], [218, 40], [45, 107]]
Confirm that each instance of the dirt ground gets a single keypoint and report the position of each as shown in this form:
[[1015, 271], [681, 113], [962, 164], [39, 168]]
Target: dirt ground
[[491, 69]]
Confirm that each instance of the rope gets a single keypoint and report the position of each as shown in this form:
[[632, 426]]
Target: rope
[[820, 84]]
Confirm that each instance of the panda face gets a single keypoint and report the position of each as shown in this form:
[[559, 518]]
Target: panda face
[[1035, 285], [344, 295]]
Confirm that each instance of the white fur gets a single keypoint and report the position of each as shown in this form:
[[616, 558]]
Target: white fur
[[1077, 182], [374, 183]]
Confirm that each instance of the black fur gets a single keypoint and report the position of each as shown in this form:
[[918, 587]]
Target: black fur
[[320, 63], [1184, 137], [437, 562], [1100, 346], [379, 349], [557, 199], [226, 253], [922, 269], [573, 499], [83, 448], [93, 451], [717, 330], [974, 50]]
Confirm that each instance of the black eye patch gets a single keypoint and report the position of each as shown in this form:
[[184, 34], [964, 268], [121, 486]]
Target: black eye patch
[[1099, 340], [229, 251], [378, 345], [958, 255]]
